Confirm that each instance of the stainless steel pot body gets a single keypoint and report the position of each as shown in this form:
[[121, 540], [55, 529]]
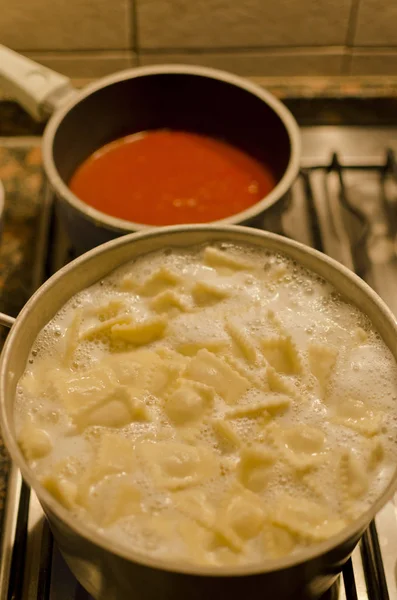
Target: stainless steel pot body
[[109, 571], [183, 97], [187, 98]]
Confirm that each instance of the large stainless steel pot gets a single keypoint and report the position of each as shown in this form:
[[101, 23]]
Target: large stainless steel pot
[[175, 96], [108, 570]]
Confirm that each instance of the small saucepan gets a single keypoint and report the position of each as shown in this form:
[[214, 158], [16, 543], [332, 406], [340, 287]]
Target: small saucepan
[[187, 98], [107, 569]]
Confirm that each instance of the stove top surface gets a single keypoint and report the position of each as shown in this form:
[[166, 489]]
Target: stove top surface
[[344, 203]]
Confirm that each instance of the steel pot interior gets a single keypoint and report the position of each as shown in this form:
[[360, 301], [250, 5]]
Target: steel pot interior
[[195, 99], [97, 263]]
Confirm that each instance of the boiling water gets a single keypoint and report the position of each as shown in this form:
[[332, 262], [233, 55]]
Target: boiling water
[[215, 405]]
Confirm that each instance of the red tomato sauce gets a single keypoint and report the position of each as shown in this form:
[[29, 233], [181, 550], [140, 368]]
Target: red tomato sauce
[[169, 177]]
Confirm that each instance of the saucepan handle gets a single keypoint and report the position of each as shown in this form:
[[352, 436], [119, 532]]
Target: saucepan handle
[[6, 320], [38, 89]]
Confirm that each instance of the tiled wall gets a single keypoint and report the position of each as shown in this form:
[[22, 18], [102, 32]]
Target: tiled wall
[[90, 38]]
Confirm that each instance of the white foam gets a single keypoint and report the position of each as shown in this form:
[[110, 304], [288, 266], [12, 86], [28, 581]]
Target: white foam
[[306, 308]]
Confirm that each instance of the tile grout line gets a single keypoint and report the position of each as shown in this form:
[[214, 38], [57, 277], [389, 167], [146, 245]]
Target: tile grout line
[[134, 46], [133, 22], [135, 29], [20, 141], [352, 23]]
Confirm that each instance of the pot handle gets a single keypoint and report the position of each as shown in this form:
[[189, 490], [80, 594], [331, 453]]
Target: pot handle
[[38, 89], [6, 320]]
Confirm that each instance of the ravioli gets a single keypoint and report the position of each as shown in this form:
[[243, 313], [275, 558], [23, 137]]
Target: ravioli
[[176, 466], [322, 359], [254, 467], [207, 368], [282, 354], [188, 402], [216, 406], [305, 518], [35, 442]]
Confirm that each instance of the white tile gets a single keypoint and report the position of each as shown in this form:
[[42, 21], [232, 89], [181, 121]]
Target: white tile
[[257, 64], [85, 65], [374, 62], [241, 23], [65, 25], [376, 23]]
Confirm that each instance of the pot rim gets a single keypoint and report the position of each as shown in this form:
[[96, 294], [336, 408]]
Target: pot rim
[[89, 532], [124, 226]]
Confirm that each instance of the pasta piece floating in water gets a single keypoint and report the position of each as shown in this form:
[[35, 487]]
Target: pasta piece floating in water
[[150, 370], [271, 404], [277, 272], [167, 301], [304, 439], [160, 280], [214, 372], [218, 258], [278, 541], [281, 385], [103, 331], [110, 310], [243, 343], [64, 491], [176, 466], [305, 518], [254, 467], [281, 353], [258, 378], [34, 442], [114, 413], [354, 480], [243, 516], [111, 499], [123, 407], [216, 346], [194, 504], [115, 455], [171, 356], [360, 336], [197, 540], [376, 454], [355, 415], [139, 333], [301, 445], [83, 390], [206, 294], [226, 434], [322, 359], [131, 368], [72, 338], [188, 402], [63, 481]]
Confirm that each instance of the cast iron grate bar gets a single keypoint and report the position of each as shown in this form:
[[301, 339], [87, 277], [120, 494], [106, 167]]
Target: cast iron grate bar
[[391, 163], [373, 565], [44, 577], [16, 581], [314, 225], [349, 581], [360, 241], [389, 199]]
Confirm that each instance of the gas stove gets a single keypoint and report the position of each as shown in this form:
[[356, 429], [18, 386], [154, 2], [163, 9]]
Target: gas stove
[[344, 203]]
